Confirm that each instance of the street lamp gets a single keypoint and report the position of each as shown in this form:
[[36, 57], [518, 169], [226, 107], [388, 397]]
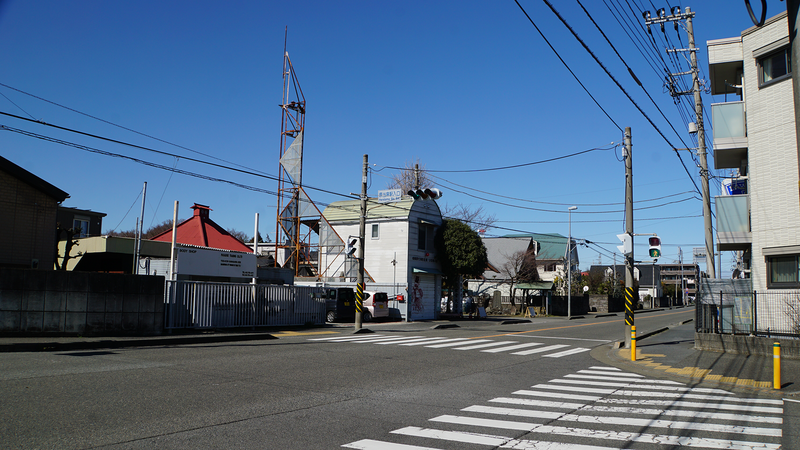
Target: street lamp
[[569, 265]]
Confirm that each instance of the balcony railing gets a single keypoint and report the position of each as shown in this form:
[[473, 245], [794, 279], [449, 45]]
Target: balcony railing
[[729, 120], [733, 221], [730, 134]]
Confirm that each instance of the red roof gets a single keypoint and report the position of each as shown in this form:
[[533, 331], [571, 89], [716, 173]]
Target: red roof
[[201, 231]]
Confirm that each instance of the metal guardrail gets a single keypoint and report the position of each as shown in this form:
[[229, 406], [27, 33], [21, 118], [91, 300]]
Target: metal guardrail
[[198, 304]]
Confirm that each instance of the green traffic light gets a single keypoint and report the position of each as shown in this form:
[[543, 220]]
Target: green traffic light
[[655, 253]]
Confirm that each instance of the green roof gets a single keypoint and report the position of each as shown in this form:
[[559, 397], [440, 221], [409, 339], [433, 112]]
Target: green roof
[[551, 245], [350, 210]]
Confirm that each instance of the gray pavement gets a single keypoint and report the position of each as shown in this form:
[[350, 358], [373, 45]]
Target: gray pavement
[[667, 353], [671, 354]]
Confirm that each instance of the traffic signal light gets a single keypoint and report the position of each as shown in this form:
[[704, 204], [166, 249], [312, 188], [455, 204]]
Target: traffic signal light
[[350, 246], [655, 247], [424, 194], [627, 244]]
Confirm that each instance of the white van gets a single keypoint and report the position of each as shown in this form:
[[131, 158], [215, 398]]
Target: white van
[[376, 304]]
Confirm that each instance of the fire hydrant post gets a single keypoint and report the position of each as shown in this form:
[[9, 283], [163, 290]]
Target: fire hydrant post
[[633, 343], [776, 365]]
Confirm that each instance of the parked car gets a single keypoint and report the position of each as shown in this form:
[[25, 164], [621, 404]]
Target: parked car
[[376, 304], [340, 303]]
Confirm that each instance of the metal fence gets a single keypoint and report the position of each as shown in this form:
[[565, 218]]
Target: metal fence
[[732, 308], [197, 304]]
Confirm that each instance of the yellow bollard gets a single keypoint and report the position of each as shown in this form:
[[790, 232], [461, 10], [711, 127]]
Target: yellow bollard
[[633, 342], [776, 365]]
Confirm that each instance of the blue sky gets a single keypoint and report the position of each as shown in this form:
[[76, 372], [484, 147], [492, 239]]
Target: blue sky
[[457, 85]]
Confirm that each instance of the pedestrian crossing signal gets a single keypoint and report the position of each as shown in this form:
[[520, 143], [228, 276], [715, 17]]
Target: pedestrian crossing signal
[[655, 247]]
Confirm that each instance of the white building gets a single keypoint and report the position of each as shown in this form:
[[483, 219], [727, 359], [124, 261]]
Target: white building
[[754, 138], [399, 255]]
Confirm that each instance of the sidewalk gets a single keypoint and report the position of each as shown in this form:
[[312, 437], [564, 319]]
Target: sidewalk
[[671, 354]]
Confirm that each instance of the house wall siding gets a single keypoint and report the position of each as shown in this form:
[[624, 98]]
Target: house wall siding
[[30, 217], [772, 155]]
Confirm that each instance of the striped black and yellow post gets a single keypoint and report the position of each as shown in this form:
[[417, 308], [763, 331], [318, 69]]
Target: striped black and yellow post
[[629, 306], [359, 297]]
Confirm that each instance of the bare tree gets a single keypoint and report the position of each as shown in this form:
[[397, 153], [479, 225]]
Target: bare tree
[[240, 235], [70, 242], [476, 217], [520, 267], [411, 177]]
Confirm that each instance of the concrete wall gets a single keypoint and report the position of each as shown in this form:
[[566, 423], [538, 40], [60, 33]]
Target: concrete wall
[[606, 304], [80, 303], [746, 345]]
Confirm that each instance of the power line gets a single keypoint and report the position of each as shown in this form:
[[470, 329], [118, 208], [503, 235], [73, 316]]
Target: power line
[[567, 66]]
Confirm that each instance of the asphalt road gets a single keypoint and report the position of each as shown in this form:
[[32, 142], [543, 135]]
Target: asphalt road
[[481, 385]]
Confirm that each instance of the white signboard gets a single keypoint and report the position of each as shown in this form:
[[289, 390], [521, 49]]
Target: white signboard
[[389, 195], [215, 263]]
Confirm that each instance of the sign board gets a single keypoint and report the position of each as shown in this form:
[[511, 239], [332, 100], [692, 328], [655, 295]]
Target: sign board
[[389, 195], [215, 263], [734, 186], [698, 254]]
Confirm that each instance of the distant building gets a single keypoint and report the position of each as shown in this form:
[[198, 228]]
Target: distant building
[[29, 206], [86, 222], [399, 255]]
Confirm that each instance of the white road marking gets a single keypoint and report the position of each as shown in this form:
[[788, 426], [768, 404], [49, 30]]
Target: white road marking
[[609, 368], [437, 340], [624, 374], [453, 344], [633, 385], [387, 339], [625, 421], [588, 398], [369, 444], [631, 380], [345, 338], [724, 406], [541, 349], [568, 352], [539, 403], [491, 344], [586, 390], [511, 347], [606, 434], [411, 339], [495, 441]]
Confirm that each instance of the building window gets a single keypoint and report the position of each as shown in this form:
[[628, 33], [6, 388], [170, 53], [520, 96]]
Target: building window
[[782, 271], [375, 234], [775, 67], [81, 227], [425, 237]]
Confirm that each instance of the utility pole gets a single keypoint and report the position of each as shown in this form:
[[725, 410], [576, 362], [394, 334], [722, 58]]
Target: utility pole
[[702, 155], [362, 229], [630, 307]]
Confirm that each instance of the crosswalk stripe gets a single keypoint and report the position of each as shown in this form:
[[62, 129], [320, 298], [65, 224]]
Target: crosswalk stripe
[[452, 344], [642, 411], [723, 406], [438, 340], [642, 386], [540, 349], [696, 397], [387, 339], [608, 368], [624, 374], [632, 380], [345, 338], [490, 344], [496, 441], [588, 398], [511, 347], [572, 351], [574, 389], [369, 444], [606, 434], [410, 339], [625, 421]]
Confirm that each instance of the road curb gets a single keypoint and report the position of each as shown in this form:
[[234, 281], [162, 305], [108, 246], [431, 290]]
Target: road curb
[[53, 346]]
